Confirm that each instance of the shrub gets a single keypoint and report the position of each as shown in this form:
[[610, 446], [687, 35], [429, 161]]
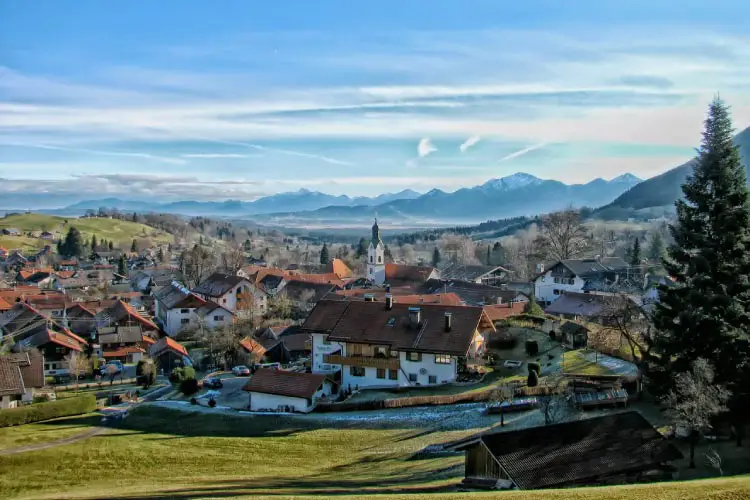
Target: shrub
[[49, 380], [532, 347], [177, 375], [552, 335], [46, 411], [188, 372], [532, 308], [145, 373], [193, 401], [533, 379], [534, 367], [189, 386], [212, 402]]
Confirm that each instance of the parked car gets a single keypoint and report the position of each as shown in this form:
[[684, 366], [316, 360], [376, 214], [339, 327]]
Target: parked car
[[270, 366], [241, 371], [213, 383], [116, 364]]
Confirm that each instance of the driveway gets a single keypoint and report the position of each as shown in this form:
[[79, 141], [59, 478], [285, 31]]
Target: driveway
[[232, 395]]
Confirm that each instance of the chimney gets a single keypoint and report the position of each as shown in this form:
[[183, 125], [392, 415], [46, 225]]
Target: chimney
[[388, 301], [498, 300], [369, 297], [415, 316], [540, 268], [448, 321]]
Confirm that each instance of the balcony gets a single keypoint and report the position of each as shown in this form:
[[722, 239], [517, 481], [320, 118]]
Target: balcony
[[364, 361]]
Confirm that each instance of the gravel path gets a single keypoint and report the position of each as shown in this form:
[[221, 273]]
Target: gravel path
[[51, 444]]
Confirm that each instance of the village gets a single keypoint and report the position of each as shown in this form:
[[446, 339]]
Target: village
[[452, 346]]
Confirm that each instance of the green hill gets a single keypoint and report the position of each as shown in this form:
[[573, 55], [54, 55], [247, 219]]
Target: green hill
[[121, 232], [663, 190]]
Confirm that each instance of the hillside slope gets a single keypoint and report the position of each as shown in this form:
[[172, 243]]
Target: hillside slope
[[663, 190], [121, 232]]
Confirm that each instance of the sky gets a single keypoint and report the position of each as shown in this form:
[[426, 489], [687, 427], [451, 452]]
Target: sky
[[183, 99]]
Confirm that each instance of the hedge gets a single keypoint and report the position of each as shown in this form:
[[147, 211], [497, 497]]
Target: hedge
[[46, 411]]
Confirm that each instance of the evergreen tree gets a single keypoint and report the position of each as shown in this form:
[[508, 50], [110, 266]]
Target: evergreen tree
[[160, 255], [73, 244], [533, 308], [656, 248], [93, 243], [635, 254], [324, 254], [435, 257], [110, 245], [361, 248], [706, 313], [122, 267], [134, 246], [60, 247], [489, 255], [135, 217]]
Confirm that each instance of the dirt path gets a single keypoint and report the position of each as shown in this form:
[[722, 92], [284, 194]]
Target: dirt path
[[51, 444]]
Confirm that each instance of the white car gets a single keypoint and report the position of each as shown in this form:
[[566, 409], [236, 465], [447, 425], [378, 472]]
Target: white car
[[241, 371]]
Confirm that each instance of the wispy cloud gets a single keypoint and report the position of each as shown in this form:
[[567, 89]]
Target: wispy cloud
[[522, 152], [146, 156], [469, 143], [218, 155], [425, 147]]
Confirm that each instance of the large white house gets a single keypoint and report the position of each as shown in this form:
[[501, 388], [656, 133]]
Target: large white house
[[385, 344], [579, 275], [176, 308], [232, 292]]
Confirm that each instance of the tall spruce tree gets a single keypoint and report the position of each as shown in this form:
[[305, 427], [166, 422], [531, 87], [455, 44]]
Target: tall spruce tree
[[134, 246], [435, 257], [707, 313], [93, 243], [324, 254], [122, 266], [73, 245], [635, 254]]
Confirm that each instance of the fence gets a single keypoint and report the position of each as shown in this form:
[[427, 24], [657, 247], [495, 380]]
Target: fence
[[448, 399], [92, 385]]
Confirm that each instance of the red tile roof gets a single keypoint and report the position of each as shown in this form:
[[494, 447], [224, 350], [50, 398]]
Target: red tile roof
[[63, 340], [450, 299], [164, 344], [291, 384], [123, 351], [503, 311], [4, 306], [64, 274], [340, 269], [253, 346], [148, 340]]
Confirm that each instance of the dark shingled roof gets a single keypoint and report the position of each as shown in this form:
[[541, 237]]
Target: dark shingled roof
[[11, 381], [593, 267], [218, 284], [372, 323], [469, 273], [402, 272], [291, 384], [310, 292], [585, 304], [471, 293], [579, 451], [172, 297]]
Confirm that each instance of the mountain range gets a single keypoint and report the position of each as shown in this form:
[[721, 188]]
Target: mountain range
[[658, 194]]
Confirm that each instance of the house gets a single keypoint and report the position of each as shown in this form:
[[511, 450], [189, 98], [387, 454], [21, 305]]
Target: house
[[488, 275], [378, 295], [169, 354], [297, 342], [35, 277], [500, 312], [386, 344], [68, 265], [11, 231], [471, 293], [106, 256], [267, 346], [56, 344], [15, 259], [277, 390], [51, 304], [578, 275], [21, 376], [79, 319], [574, 335], [124, 343], [176, 307], [212, 316], [593, 307], [123, 314], [232, 292], [401, 275], [613, 449]]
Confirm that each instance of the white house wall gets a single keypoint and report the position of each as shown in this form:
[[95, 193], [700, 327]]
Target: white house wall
[[320, 349], [444, 373], [545, 286], [260, 401]]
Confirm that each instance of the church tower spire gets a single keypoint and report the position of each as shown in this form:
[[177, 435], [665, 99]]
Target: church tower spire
[[376, 257]]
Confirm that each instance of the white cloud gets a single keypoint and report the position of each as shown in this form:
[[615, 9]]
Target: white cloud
[[469, 143], [425, 147], [146, 156], [522, 152]]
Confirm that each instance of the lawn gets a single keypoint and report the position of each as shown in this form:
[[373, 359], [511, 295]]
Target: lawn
[[25, 244], [165, 453], [51, 430], [574, 362], [119, 231]]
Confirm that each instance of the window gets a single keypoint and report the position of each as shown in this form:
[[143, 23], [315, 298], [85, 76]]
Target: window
[[414, 356], [356, 371], [370, 270], [394, 354], [372, 259], [412, 377], [184, 321], [184, 311], [442, 359], [223, 301], [392, 374], [380, 373], [380, 259], [381, 351], [432, 379], [557, 280], [219, 317]]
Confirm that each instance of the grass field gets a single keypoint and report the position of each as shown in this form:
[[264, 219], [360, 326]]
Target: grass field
[[119, 231], [23, 243], [52, 430], [574, 362], [166, 453]]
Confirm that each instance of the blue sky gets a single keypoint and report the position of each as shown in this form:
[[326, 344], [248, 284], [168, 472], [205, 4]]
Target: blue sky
[[216, 100]]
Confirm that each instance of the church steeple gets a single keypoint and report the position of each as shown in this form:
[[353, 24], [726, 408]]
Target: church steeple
[[376, 257], [376, 233]]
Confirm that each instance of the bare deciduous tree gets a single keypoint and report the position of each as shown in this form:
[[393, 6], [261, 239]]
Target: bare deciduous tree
[[551, 401], [233, 258], [695, 400], [77, 364], [499, 396], [196, 265], [714, 460], [562, 235]]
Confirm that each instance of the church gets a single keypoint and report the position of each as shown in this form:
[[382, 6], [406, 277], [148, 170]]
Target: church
[[379, 273], [376, 257]]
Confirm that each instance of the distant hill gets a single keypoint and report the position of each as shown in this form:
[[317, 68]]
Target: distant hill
[[661, 192], [512, 196], [120, 232]]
